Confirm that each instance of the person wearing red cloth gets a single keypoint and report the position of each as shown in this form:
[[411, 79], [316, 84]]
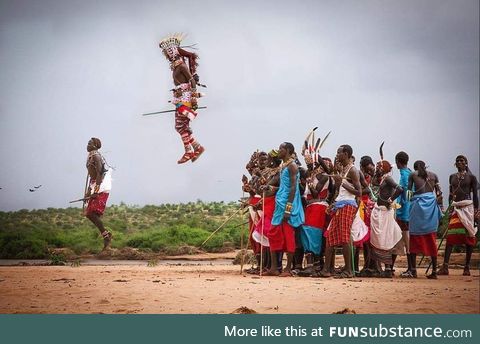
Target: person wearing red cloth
[[98, 190]]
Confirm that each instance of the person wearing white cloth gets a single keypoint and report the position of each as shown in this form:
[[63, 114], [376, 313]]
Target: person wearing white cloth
[[385, 235], [462, 226]]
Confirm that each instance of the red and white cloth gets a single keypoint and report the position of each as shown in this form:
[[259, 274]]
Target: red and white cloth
[[359, 232], [339, 230]]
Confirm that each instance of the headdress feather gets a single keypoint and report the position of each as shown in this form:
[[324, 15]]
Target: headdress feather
[[381, 150]]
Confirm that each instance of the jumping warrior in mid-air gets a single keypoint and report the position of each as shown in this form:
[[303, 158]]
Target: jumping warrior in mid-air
[[185, 93], [99, 186]]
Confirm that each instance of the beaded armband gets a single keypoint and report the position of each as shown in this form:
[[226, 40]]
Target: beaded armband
[[288, 208]]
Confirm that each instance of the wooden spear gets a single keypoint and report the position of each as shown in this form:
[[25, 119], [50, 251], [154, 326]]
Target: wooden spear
[[221, 226]]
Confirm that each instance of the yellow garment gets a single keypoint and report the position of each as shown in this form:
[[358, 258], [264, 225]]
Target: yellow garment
[[361, 210]]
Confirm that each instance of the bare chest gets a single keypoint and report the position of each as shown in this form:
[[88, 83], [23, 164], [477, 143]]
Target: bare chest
[[460, 184], [178, 77]]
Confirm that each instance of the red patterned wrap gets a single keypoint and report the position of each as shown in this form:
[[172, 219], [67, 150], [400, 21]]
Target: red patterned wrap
[[97, 204], [340, 226]]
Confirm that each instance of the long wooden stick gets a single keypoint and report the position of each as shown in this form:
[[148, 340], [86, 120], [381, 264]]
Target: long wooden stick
[[240, 224], [81, 200], [443, 236], [241, 245], [84, 192], [352, 248], [247, 246], [166, 111], [261, 237], [242, 258], [221, 226]]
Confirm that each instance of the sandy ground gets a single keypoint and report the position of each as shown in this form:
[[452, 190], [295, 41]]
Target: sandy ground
[[220, 288]]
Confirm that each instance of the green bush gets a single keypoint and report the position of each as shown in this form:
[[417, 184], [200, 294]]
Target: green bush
[[27, 234], [24, 248]]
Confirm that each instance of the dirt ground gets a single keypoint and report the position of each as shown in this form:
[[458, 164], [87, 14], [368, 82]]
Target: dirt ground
[[219, 288]]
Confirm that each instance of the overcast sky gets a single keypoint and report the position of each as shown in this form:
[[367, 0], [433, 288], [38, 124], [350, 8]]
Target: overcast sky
[[403, 72]]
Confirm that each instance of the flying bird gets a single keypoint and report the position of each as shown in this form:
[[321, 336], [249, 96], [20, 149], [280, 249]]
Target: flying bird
[[35, 188]]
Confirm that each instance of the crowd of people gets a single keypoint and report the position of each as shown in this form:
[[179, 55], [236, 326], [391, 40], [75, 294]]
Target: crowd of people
[[306, 213]]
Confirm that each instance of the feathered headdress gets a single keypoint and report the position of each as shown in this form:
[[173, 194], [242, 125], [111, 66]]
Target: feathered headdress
[[171, 43], [311, 149], [171, 46], [381, 150], [384, 164]]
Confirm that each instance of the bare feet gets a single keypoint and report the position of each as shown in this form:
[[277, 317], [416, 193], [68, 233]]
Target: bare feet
[[107, 239], [323, 273], [443, 271], [344, 274], [271, 273]]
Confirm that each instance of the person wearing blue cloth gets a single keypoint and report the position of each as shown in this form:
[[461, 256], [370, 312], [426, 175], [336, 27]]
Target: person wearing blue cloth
[[319, 186], [288, 215], [402, 214], [425, 215]]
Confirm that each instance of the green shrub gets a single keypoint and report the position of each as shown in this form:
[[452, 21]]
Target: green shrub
[[24, 248], [167, 227]]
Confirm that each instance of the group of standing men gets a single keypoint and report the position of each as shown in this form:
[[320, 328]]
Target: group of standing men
[[310, 212], [306, 213]]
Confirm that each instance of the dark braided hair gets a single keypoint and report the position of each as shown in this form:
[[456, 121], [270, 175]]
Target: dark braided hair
[[419, 166], [466, 162]]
